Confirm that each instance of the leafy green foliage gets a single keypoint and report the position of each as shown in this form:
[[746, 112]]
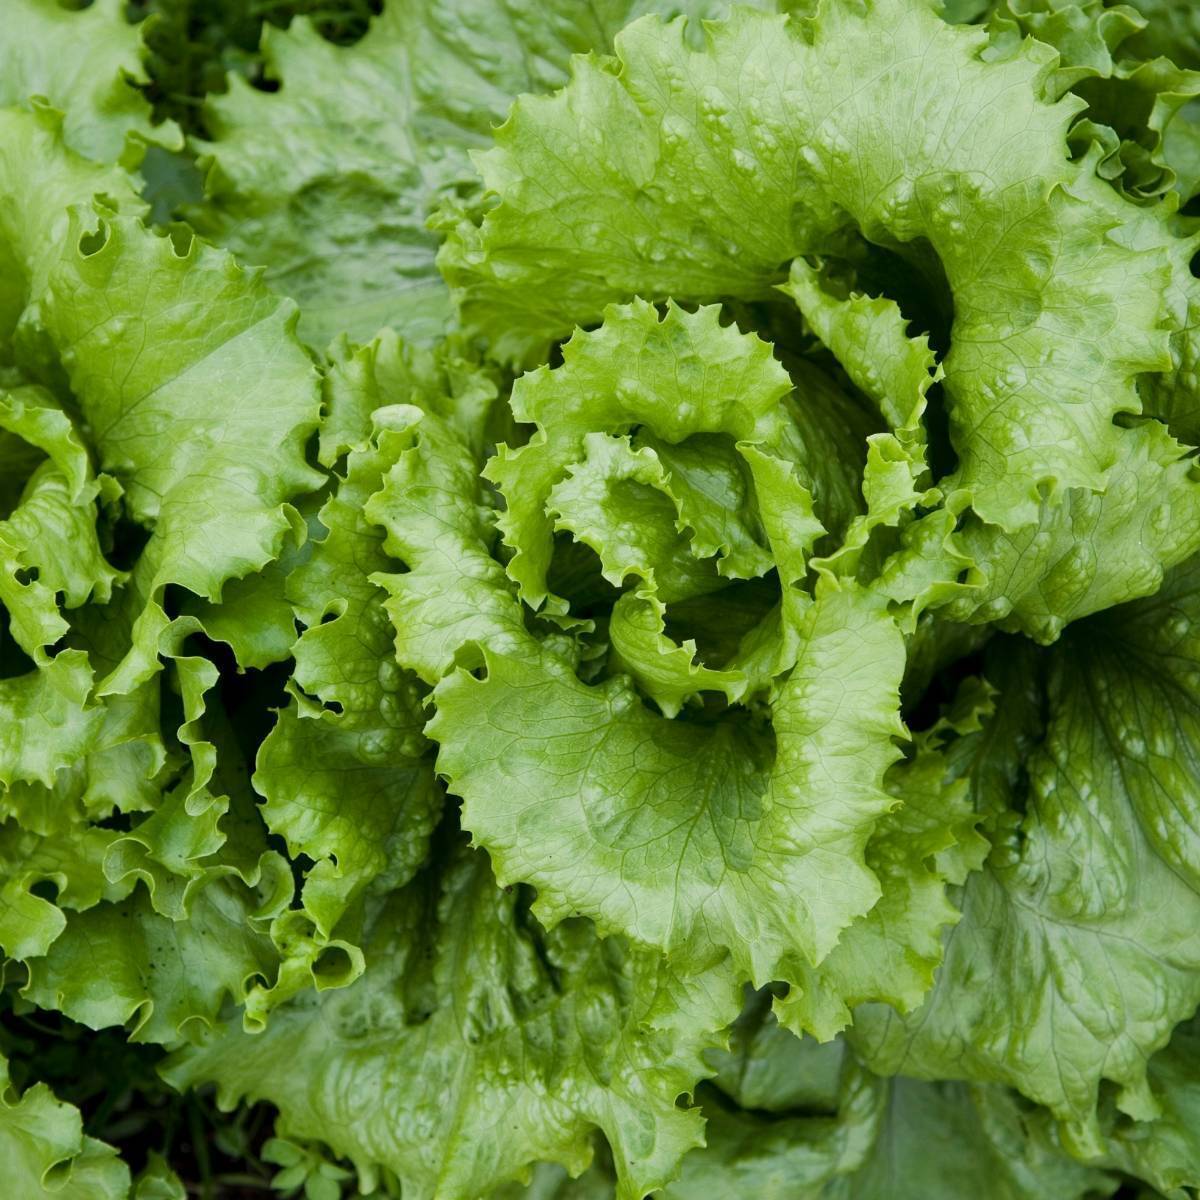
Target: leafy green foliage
[[599, 601], [190, 45]]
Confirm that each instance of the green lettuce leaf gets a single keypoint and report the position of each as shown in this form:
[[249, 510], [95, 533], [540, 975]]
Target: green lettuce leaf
[[328, 182], [726, 837], [1077, 949], [1090, 550], [524, 1042], [155, 431], [47, 180], [1163, 1150], [46, 1152], [895, 372], [98, 289], [86, 63], [892, 1140], [432, 507], [124, 964], [1141, 108], [813, 1124], [344, 772], [926, 842]]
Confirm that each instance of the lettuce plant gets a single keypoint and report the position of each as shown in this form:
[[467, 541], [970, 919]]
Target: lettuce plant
[[611, 607]]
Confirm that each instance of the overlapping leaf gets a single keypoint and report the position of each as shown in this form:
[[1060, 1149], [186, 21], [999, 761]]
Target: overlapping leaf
[[815, 1125], [46, 1151], [1076, 953], [85, 62], [329, 182], [524, 1040]]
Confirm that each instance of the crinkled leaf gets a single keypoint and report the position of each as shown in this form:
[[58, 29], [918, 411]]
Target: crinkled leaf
[[1090, 550], [727, 837], [124, 963], [891, 953], [432, 507], [86, 62], [1077, 950], [971, 173], [182, 326], [345, 780], [47, 721], [46, 1152], [524, 1042], [676, 376], [328, 182]]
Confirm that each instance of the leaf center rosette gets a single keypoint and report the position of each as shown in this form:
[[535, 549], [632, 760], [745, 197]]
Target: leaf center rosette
[[711, 803], [680, 474]]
